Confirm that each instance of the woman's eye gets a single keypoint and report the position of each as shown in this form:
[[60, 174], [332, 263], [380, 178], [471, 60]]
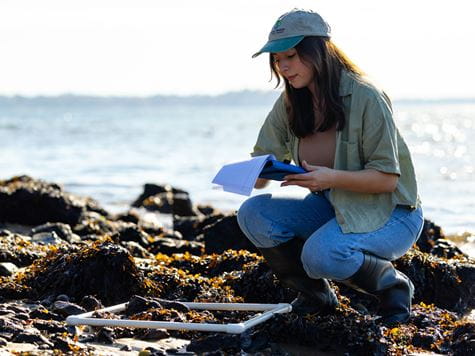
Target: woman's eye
[[291, 55]]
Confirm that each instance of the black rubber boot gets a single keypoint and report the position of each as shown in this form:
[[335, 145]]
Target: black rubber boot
[[394, 289], [315, 295]]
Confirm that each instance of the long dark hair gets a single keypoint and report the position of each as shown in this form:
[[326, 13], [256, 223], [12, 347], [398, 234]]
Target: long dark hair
[[328, 61]]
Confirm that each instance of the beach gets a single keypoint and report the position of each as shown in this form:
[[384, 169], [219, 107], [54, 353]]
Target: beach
[[64, 254]]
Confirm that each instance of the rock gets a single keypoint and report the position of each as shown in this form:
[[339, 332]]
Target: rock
[[136, 250], [139, 304], [169, 246], [66, 308], [27, 201], [165, 199], [104, 270], [154, 334], [32, 336], [7, 269], [131, 232], [90, 303], [105, 335], [47, 238], [63, 231], [225, 234], [215, 342]]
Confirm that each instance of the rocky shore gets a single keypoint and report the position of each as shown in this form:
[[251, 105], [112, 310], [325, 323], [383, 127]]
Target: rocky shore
[[62, 254]]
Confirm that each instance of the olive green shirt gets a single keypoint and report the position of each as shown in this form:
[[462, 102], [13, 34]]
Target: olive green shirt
[[369, 140]]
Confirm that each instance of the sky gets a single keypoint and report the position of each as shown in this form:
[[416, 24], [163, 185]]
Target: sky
[[412, 48]]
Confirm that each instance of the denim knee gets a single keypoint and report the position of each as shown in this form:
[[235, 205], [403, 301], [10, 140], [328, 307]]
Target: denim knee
[[321, 259], [250, 219], [249, 210]]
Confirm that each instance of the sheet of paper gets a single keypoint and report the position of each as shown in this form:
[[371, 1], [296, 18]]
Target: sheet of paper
[[241, 177]]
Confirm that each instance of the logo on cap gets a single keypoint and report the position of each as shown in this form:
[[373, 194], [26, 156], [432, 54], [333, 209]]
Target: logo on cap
[[276, 28]]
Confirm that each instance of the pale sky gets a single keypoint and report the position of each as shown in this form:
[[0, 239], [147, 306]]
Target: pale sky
[[412, 48]]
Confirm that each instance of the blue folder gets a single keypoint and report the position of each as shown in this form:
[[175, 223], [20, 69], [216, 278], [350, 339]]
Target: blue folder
[[276, 170]]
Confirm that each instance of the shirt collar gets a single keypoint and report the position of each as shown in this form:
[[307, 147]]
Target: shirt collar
[[346, 83]]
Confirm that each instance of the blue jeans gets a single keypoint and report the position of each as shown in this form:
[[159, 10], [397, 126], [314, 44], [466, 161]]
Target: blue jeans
[[268, 221]]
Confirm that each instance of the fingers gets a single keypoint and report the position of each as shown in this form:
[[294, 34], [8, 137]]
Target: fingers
[[308, 167]]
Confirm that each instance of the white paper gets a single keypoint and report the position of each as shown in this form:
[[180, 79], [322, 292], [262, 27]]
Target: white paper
[[241, 177]]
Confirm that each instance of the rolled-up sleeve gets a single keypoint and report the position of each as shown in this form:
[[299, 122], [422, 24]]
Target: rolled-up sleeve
[[380, 149], [273, 134]]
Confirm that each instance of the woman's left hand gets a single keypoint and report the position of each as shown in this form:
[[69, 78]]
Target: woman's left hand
[[317, 179]]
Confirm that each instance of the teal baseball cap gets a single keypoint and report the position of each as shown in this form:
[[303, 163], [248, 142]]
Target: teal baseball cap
[[292, 27]]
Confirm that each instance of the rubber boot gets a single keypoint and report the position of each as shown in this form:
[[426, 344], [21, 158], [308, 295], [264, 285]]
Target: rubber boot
[[393, 288], [315, 295]]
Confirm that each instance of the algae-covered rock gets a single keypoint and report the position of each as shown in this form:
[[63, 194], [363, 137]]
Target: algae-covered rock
[[104, 270]]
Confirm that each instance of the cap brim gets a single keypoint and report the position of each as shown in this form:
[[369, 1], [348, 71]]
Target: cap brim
[[280, 45]]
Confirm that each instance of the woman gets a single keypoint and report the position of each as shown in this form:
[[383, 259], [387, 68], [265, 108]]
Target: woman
[[363, 210]]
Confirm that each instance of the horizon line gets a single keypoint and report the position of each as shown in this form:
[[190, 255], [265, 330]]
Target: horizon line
[[206, 96]]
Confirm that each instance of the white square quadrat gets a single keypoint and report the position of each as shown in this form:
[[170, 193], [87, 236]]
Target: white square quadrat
[[268, 310]]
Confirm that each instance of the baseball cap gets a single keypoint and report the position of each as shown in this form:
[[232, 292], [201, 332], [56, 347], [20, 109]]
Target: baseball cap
[[292, 27]]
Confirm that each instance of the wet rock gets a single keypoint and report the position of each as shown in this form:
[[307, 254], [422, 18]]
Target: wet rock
[[463, 339], [170, 246], [131, 232], [46, 238], [42, 313], [215, 342], [18, 249], [50, 326], [448, 283], [66, 308], [27, 201], [105, 335], [63, 231], [63, 298], [32, 336], [136, 250], [105, 270], [433, 241], [225, 234], [154, 334], [90, 303], [165, 199], [154, 189], [7, 269], [191, 227], [3, 342], [139, 304]]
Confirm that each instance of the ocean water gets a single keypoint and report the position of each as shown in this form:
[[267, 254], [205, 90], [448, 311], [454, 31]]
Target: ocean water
[[108, 151]]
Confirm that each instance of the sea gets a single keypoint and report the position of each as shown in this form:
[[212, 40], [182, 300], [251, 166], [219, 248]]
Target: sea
[[108, 148]]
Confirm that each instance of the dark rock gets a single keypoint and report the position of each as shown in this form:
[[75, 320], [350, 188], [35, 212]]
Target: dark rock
[[463, 339], [126, 348], [154, 334], [225, 234], [63, 298], [32, 336], [215, 342], [131, 232], [191, 227], [27, 201], [18, 250], [66, 308], [105, 335], [44, 314], [448, 283], [7, 269], [3, 342], [47, 238], [136, 250], [154, 189], [50, 326], [91, 303], [169, 246], [104, 270], [63, 231], [139, 304]]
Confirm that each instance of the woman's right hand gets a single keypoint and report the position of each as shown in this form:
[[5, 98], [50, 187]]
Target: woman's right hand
[[261, 183]]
